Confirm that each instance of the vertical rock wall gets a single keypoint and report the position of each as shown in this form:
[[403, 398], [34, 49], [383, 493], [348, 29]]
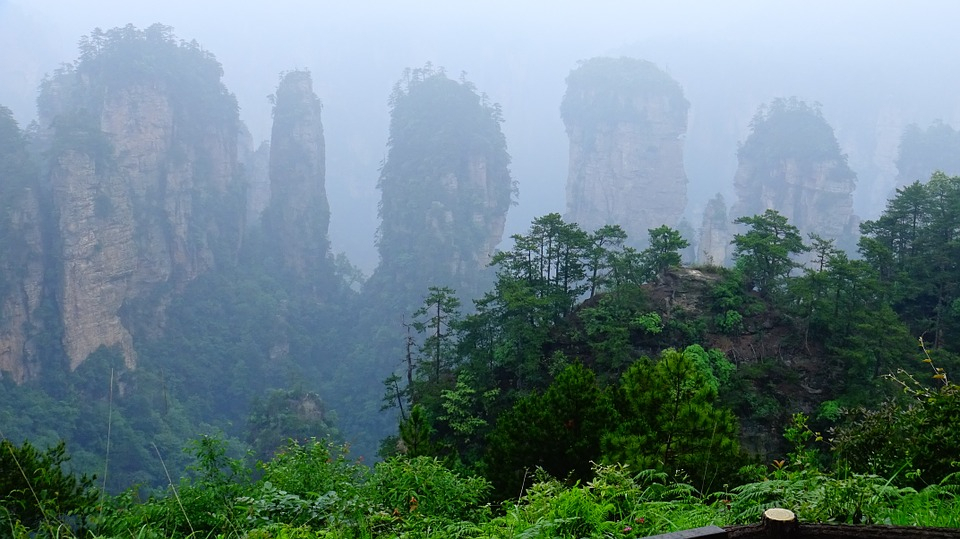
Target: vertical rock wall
[[625, 119], [21, 254], [716, 233], [139, 222], [446, 188], [791, 162], [146, 190], [298, 216]]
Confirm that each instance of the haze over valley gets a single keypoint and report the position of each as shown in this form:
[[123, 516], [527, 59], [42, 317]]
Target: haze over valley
[[392, 241], [875, 67]]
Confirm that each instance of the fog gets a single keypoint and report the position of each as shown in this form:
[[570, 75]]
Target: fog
[[875, 67]]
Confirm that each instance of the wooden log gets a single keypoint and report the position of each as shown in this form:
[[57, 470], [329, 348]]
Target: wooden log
[[706, 532], [848, 531], [779, 523], [852, 531]]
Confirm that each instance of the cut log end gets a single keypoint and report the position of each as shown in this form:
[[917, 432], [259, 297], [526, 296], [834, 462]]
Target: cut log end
[[779, 523]]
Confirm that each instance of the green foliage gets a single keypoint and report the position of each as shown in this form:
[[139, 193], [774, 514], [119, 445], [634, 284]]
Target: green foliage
[[928, 415], [610, 326], [791, 128], [729, 322], [282, 415], [434, 214], [913, 247], [816, 497], [437, 320], [606, 244], [37, 493], [664, 250], [669, 420], [763, 253], [559, 431], [312, 483], [313, 490], [552, 259], [125, 57], [614, 90], [19, 173], [415, 433], [420, 493], [616, 502]]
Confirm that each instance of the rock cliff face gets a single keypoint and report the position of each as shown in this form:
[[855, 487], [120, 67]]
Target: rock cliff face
[[625, 119], [145, 188], [21, 254], [716, 233], [925, 151], [298, 215], [256, 166], [445, 186], [791, 162]]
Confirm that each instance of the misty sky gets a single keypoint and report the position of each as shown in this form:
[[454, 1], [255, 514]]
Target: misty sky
[[875, 66]]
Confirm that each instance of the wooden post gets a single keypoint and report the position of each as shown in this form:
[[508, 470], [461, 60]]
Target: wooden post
[[779, 523]]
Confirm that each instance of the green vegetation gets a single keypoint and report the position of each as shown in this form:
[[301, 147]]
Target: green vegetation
[[19, 171], [592, 390], [313, 489], [607, 91], [764, 254], [792, 128], [444, 184], [925, 151], [123, 58]]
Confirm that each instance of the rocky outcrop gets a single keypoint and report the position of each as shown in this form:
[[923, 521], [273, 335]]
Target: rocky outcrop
[[626, 120], [716, 233], [925, 151], [298, 215], [791, 162], [21, 255], [445, 186], [23, 293], [256, 166], [146, 193]]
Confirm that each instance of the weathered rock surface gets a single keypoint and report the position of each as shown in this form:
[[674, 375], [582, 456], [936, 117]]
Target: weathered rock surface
[[446, 189], [625, 119], [146, 189], [925, 151], [21, 254], [23, 291], [792, 163], [256, 165], [716, 233], [298, 216], [137, 224]]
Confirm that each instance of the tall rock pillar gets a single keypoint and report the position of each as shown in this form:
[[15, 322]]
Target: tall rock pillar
[[791, 162], [625, 119], [298, 216], [445, 186]]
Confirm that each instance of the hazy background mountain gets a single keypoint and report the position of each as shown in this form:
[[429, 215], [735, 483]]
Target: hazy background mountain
[[874, 66]]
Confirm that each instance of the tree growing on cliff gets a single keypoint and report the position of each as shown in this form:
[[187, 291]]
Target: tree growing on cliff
[[763, 253], [792, 162], [913, 246], [437, 321], [664, 250]]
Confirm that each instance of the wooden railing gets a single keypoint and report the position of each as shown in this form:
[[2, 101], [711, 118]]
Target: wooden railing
[[783, 524]]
